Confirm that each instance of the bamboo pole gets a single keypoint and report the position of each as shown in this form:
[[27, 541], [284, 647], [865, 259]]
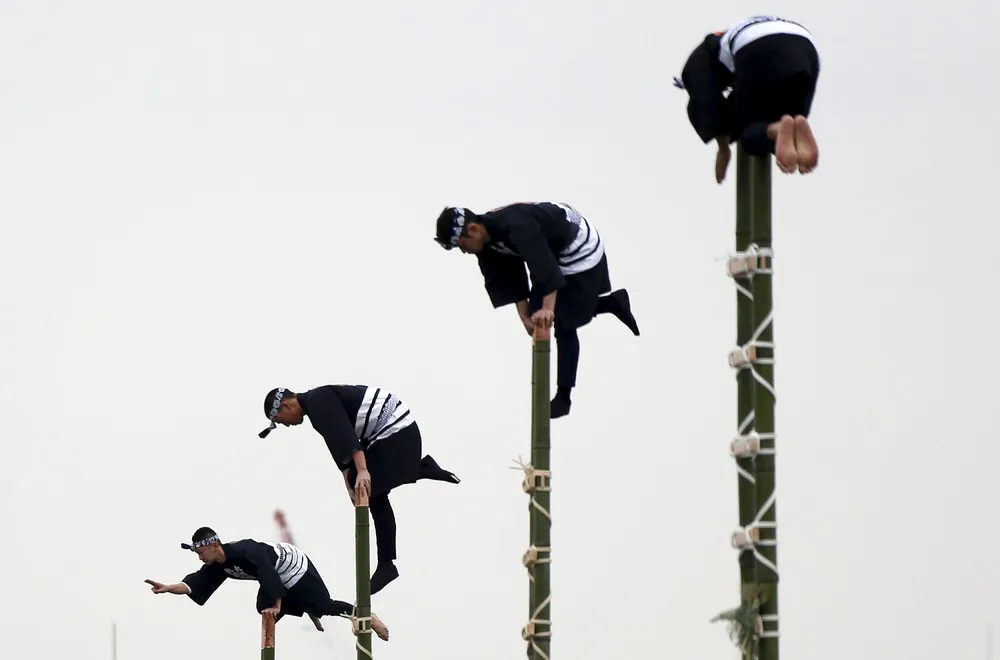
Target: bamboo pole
[[538, 631], [266, 637], [746, 488], [754, 622], [362, 622], [766, 568]]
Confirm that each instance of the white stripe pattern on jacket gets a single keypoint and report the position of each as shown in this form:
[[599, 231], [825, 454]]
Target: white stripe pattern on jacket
[[587, 248], [291, 563], [381, 414], [751, 29]]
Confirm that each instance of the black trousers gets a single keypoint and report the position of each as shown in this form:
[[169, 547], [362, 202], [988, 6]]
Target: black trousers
[[576, 306], [308, 596], [776, 75], [392, 462]]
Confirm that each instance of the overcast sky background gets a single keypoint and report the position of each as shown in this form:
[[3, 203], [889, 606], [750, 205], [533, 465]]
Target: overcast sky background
[[204, 200]]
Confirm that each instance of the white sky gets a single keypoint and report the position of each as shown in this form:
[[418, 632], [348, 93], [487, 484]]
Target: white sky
[[204, 200]]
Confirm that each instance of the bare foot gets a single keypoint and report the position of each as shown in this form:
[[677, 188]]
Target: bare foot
[[380, 628], [784, 146], [805, 144]]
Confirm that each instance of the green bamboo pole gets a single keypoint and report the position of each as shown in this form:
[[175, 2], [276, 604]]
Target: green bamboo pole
[[266, 637], [764, 402], [742, 619], [746, 486], [362, 561], [538, 632], [532, 514]]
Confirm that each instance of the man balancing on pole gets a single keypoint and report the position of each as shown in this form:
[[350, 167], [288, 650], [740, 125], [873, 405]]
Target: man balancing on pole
[[289, 581], [376, 444], [565, 257], [771, 66]]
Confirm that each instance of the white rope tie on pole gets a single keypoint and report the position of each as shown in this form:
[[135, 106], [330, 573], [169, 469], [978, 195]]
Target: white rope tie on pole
[[744, 425], [752, 261], [747, 445], [745, 357], [749, 442], [748, 538], [529, 633], [744, 291], [361, 625], [536, 481], [765, 620], [534, 556], [744, 265]]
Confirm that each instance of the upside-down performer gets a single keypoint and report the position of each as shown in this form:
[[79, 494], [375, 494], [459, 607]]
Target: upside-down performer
[[375, 442], [772, 66], [565, 256], [289, 581]]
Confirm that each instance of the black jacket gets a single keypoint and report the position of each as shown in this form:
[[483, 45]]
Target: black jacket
[[522, 235], [353, 417], [245, 560], [705, 78]]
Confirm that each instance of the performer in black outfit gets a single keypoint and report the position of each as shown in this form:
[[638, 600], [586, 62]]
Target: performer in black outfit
[[376, 443], [289, 581], [771, 66], [565, 257]]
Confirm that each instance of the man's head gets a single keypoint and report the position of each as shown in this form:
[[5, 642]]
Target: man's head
[[206, 544], [281, 406], [459, 227]]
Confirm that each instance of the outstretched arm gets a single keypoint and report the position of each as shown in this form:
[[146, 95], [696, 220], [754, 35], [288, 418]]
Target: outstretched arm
[[179, 588], [203, 583], [198, 586]]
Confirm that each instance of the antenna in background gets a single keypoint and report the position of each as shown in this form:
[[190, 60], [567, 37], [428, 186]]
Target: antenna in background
[[114, 640], [989, 640]]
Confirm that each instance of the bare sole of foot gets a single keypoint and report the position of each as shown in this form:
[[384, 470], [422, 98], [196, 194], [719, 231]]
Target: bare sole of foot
[[784, 146], [805, 144]]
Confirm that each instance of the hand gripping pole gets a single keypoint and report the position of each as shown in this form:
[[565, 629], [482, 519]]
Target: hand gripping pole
[[266, 637]]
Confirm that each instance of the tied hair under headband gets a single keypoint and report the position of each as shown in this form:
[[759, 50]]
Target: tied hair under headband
[[457, 230], [275, 406], [200, 544]]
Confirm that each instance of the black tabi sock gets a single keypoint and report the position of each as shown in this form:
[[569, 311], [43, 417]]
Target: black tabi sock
[[385, 573], [560, 405], [429, 469], [618, 304]]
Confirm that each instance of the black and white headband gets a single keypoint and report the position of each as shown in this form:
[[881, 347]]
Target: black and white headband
[[450, 240], [200, 544], [275, 407]]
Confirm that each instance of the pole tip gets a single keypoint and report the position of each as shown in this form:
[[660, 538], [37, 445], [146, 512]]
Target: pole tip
[[542, 334]]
